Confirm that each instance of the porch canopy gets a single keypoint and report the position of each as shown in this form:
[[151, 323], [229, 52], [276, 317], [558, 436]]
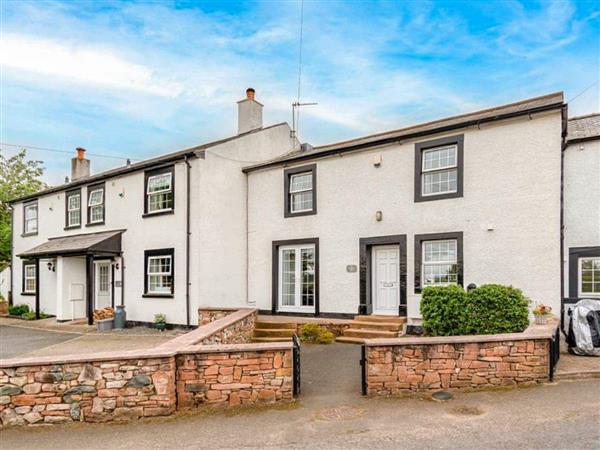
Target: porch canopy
[[90, 245]]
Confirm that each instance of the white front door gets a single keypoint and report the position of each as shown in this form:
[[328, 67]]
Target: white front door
[[385, 271], [102, 285]]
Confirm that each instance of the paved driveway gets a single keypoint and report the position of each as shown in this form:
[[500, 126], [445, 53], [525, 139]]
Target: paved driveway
[[15, 341], [332, 414]]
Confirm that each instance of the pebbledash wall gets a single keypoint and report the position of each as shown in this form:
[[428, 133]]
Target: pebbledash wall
[[397, 366], [182, 373]]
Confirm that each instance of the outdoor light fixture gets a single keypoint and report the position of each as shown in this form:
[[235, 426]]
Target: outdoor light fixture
[[117, 266], [50, 266]]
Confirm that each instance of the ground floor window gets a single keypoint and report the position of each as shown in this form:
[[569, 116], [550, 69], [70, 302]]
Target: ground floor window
[[296, 276], [160, 272], [29, 286], [438, 260], [589, 277]]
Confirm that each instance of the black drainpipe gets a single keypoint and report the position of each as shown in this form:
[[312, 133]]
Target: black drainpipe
[[187, 244], [12, 266], [565, 122]]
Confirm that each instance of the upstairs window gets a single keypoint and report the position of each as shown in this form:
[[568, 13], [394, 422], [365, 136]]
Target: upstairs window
[[95, 205], [29, 285], [160, 273], [30, 218], [438, 169], [160, 196], [589, 277], [73, 218], [300, 191]]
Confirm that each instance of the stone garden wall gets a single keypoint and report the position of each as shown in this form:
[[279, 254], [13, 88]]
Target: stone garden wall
[[207, 315], [396, 366]]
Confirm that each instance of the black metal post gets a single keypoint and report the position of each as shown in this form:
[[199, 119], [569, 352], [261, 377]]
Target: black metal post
[[37, 288], [89, 286]]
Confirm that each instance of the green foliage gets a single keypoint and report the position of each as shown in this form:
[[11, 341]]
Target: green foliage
[[312, 333], [18, 310], [30, 315], [18, 177], [160, 318], [488, 309]]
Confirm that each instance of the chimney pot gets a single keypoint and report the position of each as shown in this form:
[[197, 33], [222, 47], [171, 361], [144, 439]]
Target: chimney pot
[[250, 92], [80, 153]]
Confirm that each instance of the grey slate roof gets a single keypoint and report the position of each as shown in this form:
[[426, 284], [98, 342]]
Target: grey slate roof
[[106, 242], [542, 103], [584, 128]]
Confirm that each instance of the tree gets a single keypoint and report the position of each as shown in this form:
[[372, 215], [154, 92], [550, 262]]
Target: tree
[[18, 177]]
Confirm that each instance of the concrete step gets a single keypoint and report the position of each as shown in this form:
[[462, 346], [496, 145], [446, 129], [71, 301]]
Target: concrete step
[[278, 325], [369, 334], [378, 318], [274, 332], [349, 340], [271, 339], [579, 375], [385, 326]]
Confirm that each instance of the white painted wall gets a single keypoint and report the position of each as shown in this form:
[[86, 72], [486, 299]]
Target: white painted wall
[[5, 283], [581, 199], [511, 183]]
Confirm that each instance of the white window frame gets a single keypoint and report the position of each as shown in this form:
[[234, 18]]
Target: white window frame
[[26, 278], [96, 205], [298, 307], [70, 210], [161, 274], [101, 268], [26, 230], [299, 191], [425, 263], [446, 168], [162, 191], [580, 278]]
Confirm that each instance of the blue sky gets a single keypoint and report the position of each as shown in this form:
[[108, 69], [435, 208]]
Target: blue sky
[[137, 79]]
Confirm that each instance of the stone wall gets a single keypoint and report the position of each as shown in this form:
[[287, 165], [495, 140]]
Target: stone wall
[[461, 362], [98, 391], [245, 375], [238, 332], [207, 314]]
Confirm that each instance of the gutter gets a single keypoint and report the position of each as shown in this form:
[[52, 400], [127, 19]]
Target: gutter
[[187, 243], [395, 139]]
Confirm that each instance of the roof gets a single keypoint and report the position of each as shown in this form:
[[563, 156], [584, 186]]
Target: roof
[[583, 128], [190, 152], [523, 107], [103, 243]]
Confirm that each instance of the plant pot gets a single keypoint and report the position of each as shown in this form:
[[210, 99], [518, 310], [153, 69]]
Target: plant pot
[[541, 319], [105, 324], [161, 326]]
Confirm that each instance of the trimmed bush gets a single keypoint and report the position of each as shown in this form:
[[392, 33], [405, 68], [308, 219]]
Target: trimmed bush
[[18, 310], [488, 309], [312, 333]]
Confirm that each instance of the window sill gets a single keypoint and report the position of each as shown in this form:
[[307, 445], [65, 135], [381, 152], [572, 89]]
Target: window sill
[[94, 224], [159, 213], [428, 198], [28, 293], [299, 214], [72, 227], [157, 295], [29, 234]]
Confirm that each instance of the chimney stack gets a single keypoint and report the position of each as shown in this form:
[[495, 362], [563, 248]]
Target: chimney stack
[[80, 166], [249, 113]]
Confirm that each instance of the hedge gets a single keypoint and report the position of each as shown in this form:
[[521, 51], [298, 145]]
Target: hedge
[[488, 309]]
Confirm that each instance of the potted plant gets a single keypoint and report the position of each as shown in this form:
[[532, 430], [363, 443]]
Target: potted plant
[[160, 321], [541, 313]]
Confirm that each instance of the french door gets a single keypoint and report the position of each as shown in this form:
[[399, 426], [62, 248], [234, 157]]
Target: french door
[[296, 269]]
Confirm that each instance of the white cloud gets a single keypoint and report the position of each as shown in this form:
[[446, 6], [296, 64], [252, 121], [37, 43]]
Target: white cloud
[[82, 64]]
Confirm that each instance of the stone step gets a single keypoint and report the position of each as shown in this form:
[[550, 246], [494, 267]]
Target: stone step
[[279, 325], [349, 340], [369, 334], [385, 326], [378, 318], [271, 339], [274, 332], [580, 375]]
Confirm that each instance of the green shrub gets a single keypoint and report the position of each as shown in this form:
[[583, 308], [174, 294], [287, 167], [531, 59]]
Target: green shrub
[[314, 334], [30, 315], [18, 310], [488, 309]]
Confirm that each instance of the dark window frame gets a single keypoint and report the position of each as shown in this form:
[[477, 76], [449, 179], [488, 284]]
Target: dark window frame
[[25, 205], [68, 194], [418, 255], [95, 187], [275, 274], [28, 262], [574, 254], [420, 147], [159, 171], [365, 271], [159, 252], [287, 175]]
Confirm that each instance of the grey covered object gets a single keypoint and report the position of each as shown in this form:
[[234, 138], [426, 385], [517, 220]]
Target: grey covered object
[[584, 328]]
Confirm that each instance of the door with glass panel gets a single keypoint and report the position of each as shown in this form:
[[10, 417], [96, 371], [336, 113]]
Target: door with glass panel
[[103, 284], [297, 278]]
